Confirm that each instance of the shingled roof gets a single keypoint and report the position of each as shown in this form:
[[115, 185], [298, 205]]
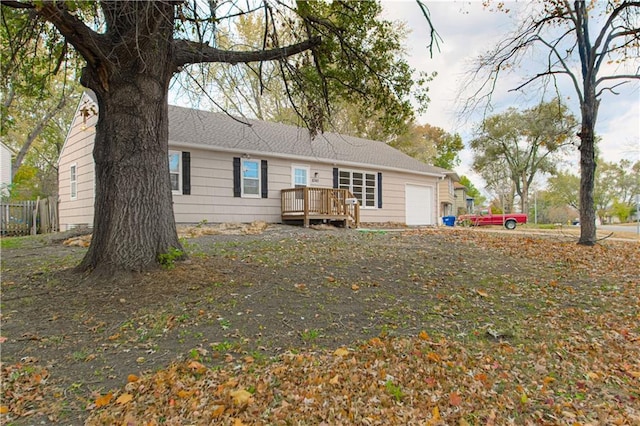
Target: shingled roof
[[215, 130], [190, 127]]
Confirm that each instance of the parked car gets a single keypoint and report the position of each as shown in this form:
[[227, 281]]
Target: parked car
[[508, 220]]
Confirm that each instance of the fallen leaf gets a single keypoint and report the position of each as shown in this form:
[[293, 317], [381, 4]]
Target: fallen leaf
[[132, 378], [4, 409], [218, 410], [331, 279], [103, 400], [341, 352], [455, 399], [124, 398], [237, 422], [482, 293], [335, 380], [432, 356], [240, 397], [436, 413], [184, 394], [423, 335], [355, 287], [197, 367]]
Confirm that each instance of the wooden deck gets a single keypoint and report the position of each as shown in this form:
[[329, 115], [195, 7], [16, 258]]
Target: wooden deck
[[307, 204]]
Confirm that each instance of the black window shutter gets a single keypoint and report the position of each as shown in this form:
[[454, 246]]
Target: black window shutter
[[236, 177], [379, 190], [186, 172], [265, 184], [335, 177]]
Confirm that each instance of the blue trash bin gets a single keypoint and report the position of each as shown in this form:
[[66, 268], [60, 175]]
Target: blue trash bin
[[449, 220]]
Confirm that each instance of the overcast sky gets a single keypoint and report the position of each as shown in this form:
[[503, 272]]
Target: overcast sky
[[468, 30]]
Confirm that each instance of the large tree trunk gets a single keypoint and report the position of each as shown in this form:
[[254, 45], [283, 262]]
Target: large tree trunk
[[588, 170], [134, 220], [524, 196]]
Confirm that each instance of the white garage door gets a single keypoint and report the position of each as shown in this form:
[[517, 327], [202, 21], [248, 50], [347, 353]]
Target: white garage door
[[419, 205]]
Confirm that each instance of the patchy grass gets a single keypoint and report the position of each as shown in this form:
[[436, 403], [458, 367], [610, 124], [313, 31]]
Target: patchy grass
[[305, 327]]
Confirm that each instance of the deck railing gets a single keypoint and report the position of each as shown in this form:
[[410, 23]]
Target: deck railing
[[309, 203]]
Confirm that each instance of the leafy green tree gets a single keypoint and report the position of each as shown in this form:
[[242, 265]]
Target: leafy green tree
[[133, 49], [615, 187], [36, 133], [415, 143], [621, 210], [579, 41], [472, 191], [32, 104], [448, 147], [564, 189], [526, 144], [430, 144]]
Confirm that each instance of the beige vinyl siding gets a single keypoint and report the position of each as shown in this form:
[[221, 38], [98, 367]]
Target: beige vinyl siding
[[393, 197], [5, 170], [460, 205], [445, 195], [77, 150], [212, 197]]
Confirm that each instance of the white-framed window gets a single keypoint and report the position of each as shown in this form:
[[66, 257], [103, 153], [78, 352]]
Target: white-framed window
[[175, 171], [250, 176], [73, 181], [300, 176], [363, 185]]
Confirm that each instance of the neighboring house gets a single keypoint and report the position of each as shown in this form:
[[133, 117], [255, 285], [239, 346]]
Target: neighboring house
[[5, 170], [223, 170], [446, 193], [464, 204]]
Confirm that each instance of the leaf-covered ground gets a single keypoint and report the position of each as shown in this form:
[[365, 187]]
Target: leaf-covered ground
[[295, 326]]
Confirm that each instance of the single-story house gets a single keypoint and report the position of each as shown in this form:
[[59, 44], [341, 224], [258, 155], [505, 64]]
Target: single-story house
[[5, 169], [228, 170], [464, 203], [446, 194]]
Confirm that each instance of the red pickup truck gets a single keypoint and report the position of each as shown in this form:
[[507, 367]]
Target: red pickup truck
[[509, 220]]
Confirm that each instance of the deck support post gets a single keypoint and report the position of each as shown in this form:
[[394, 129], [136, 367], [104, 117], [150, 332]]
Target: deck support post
[[306, 206]]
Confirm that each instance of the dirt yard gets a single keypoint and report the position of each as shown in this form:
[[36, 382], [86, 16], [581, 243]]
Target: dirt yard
[[569, 317]]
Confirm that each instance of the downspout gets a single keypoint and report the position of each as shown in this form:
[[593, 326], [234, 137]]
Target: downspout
[[439, 212]]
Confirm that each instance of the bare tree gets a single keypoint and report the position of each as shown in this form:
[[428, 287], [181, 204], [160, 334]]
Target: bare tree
[[596, 45]]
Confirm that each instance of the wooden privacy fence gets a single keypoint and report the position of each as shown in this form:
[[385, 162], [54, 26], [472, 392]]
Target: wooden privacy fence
[[29, 217]]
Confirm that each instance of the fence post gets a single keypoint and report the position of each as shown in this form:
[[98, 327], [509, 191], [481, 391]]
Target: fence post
[[34, 217]]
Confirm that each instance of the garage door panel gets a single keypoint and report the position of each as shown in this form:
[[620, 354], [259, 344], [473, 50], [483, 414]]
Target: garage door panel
[[419, 205]]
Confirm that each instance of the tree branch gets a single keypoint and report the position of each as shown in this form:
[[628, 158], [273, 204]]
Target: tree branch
[[17, 4], [615, 85], [86, 41], [35, 132], [188, 52]]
